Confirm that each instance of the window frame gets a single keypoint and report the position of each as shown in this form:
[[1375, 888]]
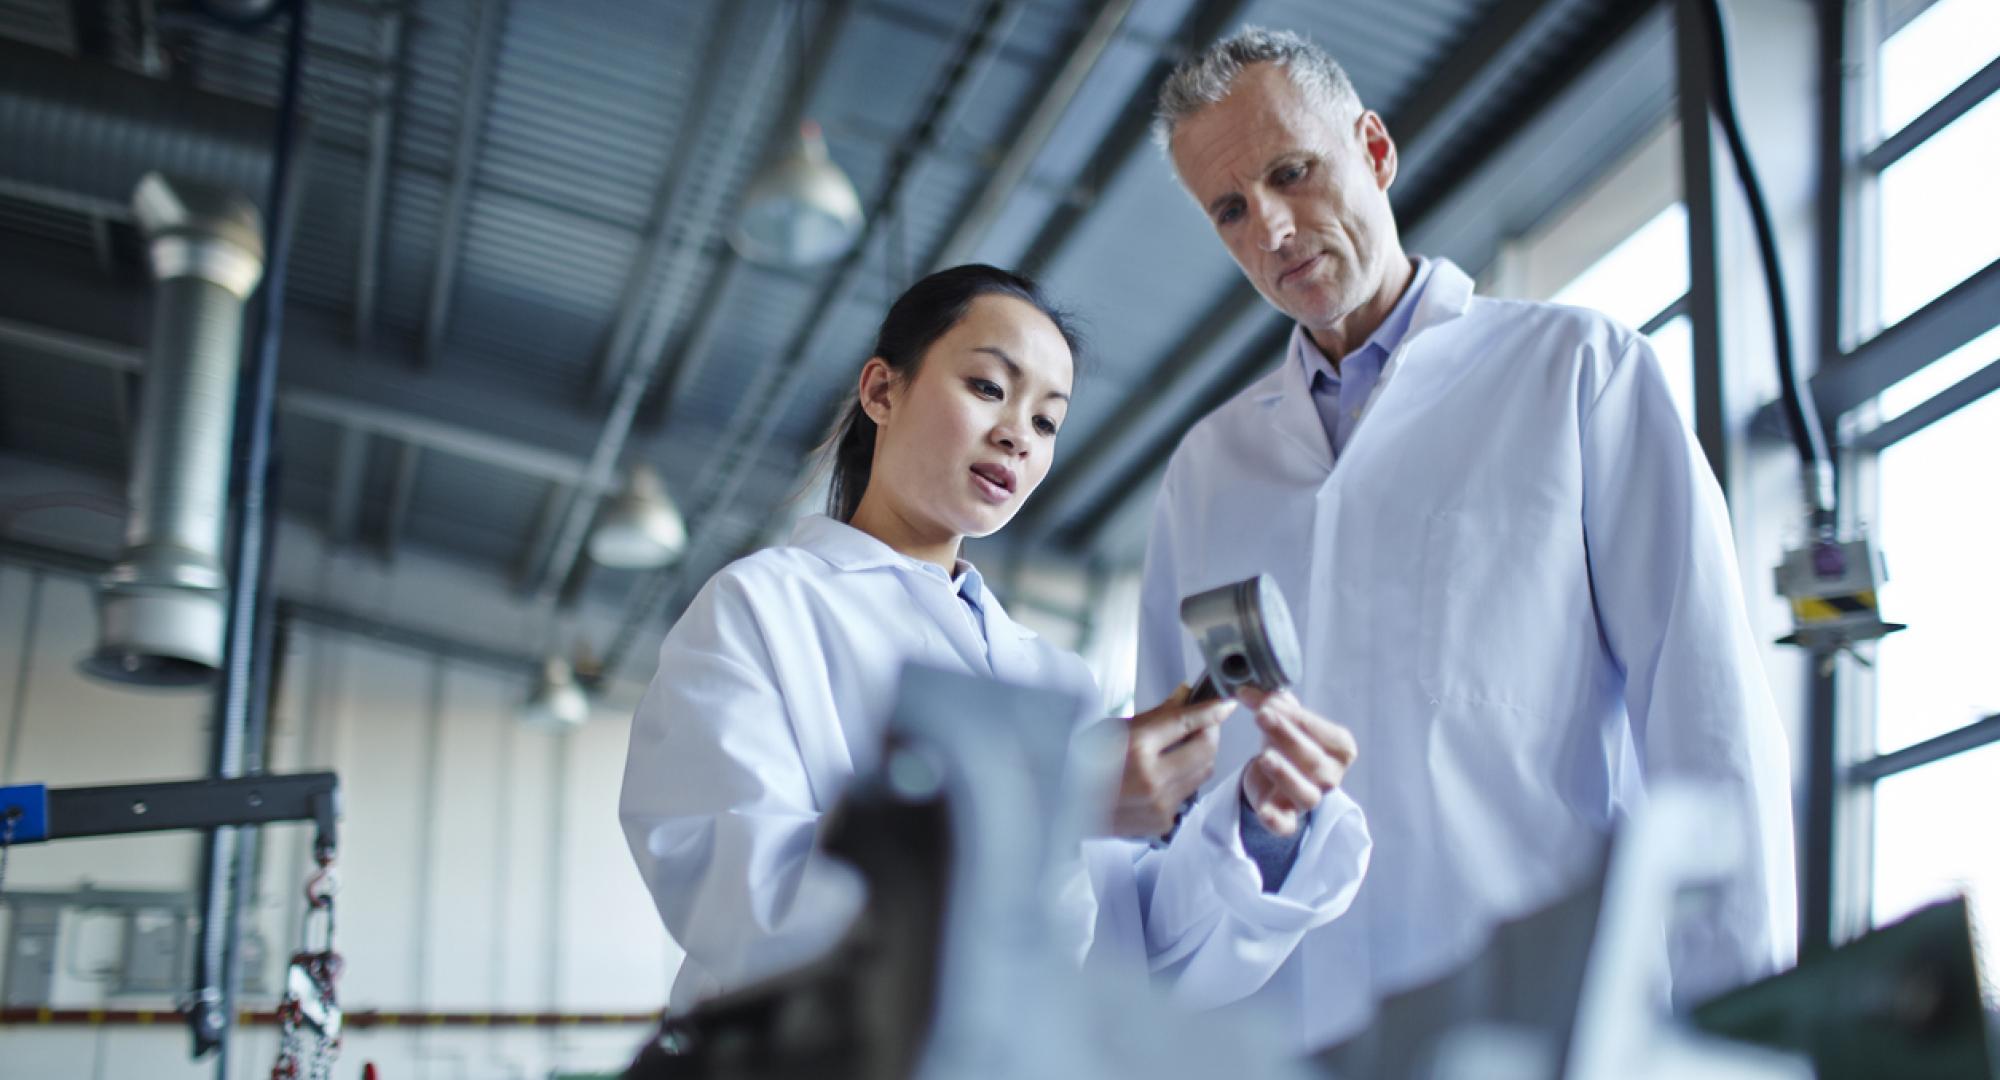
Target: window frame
[[1842, 757]]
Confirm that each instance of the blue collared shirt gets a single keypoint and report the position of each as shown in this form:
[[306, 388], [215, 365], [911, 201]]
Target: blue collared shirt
[[971, 589], [1341, 395]]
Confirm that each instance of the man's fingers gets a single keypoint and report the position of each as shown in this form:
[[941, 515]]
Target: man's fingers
[[1279, 822], [1312, 760], [1327, 736], [1261, 791], [1293, 787]]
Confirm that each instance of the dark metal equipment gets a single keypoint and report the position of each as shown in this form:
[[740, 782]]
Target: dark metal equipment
[[1903, 1001], [35, 813], [1246, 637], [41, 813], [960, 963]]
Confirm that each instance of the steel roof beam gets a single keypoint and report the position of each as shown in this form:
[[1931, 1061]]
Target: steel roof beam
[[1181, 384], [386, 86], [639, 307], [689, 359], [402, 494], [490, 17], [698, 344], [1026, 145], [1128, 136], [763, 404], [343, 512], [333, 384], [707, 202]]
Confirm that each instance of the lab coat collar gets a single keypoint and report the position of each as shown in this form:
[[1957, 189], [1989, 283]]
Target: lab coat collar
[[848, 549], [843, 545], [1288, 391]]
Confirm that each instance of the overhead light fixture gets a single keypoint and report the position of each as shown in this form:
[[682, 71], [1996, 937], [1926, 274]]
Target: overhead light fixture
[[641, 530], [801, 211], [557, 703]]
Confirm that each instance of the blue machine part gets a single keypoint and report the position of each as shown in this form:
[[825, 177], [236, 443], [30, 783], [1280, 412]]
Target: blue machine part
[[32, 802]]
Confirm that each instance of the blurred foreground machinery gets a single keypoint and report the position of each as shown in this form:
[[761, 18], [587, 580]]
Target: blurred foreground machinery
[[958, 965]]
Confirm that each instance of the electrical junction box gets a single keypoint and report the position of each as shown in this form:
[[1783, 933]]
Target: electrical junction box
[[31, 955], [158, 955]]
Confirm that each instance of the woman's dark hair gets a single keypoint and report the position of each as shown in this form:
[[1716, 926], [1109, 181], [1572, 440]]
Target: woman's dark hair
[[923, 314]]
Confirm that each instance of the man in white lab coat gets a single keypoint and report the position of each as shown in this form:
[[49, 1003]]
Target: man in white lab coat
[[1510, 565]]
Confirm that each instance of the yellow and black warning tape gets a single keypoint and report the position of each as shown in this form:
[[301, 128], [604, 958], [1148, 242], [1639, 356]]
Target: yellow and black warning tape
[[1818, 609]]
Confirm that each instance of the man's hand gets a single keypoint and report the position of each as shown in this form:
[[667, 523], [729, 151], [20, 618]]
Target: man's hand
[[1305, 756], [1169, 752]]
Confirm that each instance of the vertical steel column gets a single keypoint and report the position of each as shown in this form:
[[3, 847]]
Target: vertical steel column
[[212, 1009], [262, 694], [1819, 854], [1692, 66], [31, 625]]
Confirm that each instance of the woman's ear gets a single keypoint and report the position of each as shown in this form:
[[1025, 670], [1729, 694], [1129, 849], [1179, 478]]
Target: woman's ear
[[877, 389]]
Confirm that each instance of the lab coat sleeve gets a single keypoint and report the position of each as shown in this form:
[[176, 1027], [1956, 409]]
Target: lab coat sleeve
[[717, 807], [1212, 933], [1664, 574]]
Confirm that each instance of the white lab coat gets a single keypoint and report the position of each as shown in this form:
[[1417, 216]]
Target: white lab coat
[[1517, 588], [771, 692]]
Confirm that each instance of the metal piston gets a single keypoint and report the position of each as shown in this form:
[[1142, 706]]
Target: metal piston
[[1246, 637]]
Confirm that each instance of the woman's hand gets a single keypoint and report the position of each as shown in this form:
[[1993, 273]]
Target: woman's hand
[[1169, 752], [1305, 756]]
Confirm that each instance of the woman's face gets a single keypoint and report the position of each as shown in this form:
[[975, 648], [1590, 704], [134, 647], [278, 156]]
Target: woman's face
[[959, 447]]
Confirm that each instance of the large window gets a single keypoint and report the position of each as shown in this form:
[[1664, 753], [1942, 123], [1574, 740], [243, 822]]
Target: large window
[[1643, 283], [1931, 442], [1619, 248]]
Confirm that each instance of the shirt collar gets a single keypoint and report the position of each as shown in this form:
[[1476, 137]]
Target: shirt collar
[[848, 548], [970, 585], [1384, 340]]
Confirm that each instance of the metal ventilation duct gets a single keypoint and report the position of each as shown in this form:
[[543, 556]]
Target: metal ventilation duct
[[72, 130], [161, 607]]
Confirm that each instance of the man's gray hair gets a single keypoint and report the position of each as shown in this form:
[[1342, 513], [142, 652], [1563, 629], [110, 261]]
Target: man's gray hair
[[1206, 78]]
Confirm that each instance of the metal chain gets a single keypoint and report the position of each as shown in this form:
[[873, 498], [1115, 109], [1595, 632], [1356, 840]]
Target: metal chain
[[323, 1055], [321, 967]]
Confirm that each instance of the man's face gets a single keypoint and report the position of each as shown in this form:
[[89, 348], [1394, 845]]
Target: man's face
[[1300, 197]]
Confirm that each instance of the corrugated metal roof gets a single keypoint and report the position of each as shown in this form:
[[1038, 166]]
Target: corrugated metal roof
[[38, 22], [591, 105]]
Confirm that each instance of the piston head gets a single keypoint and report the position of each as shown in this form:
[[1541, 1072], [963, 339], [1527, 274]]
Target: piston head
[[1245, 634]]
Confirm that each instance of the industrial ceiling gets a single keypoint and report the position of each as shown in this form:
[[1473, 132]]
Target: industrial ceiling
[[510, 279]]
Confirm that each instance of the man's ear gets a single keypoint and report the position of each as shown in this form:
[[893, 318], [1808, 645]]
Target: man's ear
[[876, 389], [1380, 149]]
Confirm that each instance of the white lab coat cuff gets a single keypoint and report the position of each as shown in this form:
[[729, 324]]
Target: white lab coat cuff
[[1205, 876], [1325, 874]]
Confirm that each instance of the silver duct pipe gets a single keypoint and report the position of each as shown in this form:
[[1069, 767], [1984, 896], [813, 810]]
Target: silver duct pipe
[[74, 131], [161, 607]]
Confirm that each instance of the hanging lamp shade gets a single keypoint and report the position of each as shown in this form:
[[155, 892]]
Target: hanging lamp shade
[[557, 703], [642, 529], [801, 210]]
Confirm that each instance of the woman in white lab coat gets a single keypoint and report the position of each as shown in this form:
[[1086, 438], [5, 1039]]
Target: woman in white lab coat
[[772, 686]]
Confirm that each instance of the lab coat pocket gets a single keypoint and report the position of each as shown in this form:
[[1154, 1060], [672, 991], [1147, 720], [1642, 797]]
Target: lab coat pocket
[[1495, 601]]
